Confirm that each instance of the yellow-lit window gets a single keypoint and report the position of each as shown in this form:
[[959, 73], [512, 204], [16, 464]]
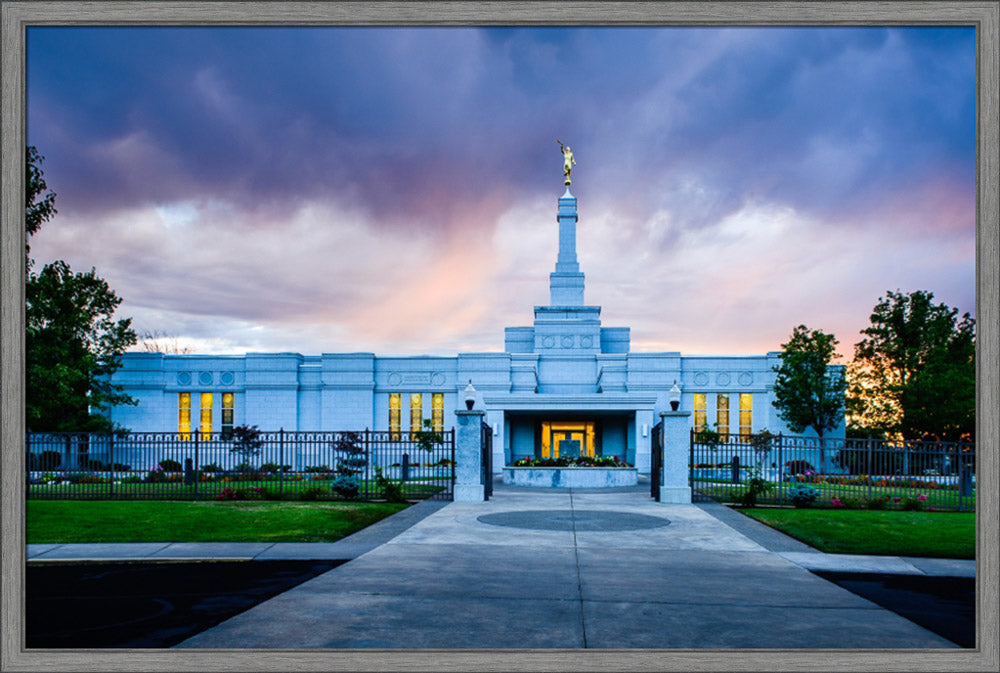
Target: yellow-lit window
[[227, 415], [394, 421], [416, 412], [745, 408], [184, 416], [437, 409], [722, 414], [700, 411], [205, 425]]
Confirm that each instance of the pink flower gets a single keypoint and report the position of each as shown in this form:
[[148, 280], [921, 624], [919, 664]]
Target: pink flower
[[930, 509], [896, 498], [921, 497]]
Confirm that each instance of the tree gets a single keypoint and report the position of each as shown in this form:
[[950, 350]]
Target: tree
[[808, 392], [73, 344], [914, 372]]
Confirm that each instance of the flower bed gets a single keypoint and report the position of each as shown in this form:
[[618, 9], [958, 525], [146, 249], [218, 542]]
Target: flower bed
[[583, 472]]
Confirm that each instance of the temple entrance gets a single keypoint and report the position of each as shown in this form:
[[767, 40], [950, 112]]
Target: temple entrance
[[567, 439]]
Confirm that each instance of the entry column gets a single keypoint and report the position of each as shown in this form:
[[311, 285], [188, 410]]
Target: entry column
[[674, 488], [469, 456]]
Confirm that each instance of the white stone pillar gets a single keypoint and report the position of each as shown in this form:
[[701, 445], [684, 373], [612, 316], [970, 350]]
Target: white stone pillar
[[674, 489], [469, 456]]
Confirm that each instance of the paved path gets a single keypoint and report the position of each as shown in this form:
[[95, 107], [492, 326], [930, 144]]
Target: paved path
[[575, 569]]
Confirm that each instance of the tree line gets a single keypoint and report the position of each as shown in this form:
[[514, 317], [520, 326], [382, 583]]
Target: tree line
[[913, 375]]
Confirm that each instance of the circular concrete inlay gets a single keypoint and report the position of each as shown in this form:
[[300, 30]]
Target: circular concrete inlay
[[601, 521]]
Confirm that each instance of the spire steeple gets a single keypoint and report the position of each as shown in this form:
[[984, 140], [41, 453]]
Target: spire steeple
[[566, 282]]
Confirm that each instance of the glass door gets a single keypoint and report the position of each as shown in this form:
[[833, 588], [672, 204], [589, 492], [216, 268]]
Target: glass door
[[567, 439]]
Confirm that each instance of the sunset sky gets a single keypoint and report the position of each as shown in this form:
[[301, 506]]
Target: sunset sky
[[393, 190]]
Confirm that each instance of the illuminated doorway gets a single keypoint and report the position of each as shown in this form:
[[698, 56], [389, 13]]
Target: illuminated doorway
[[567, 439]]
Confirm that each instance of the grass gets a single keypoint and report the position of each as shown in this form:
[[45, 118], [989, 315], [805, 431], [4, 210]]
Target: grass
[[928, 534], [56, 521]]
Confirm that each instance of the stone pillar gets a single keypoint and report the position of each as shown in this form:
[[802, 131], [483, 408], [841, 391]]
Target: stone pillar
[[469, 456], [674, 488]]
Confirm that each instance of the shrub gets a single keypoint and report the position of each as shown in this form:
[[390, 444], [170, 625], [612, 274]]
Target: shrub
[[878, 502], [49, 460], [803, 496], [311, 493], [168, 465], [756, 486], [212, 467], [799, 467], [247, 442], [391, 490], [914, 504], [346, 487], [312, 469]]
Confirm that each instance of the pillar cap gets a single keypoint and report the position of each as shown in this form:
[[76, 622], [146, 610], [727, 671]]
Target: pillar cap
[[470, 412], [674, 414]]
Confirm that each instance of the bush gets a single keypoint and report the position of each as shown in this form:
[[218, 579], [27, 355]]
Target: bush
[[212, 467], [168, 465], [311, 493], [311, 469], [391, 490], [878, 502], [802, 495], [346, 487], [914, 504], [798, 467], [49, 460]]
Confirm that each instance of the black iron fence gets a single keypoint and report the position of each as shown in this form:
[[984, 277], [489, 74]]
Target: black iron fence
[[283, 464], [849, 473]]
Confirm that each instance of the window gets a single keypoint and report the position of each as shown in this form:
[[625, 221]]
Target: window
[[745, 408], [184, 416], [722, 414], [700, 411], [437, 410], [227, 415], [394, 423], [416, 412], [205, 425]]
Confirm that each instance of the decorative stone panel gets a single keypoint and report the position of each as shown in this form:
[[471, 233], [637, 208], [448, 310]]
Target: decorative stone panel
[[701, 379], [722, 379], [746, 379], [205, 378], [184, 378]]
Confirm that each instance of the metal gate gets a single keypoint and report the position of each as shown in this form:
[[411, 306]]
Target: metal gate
[[486, 475], [656, 461]]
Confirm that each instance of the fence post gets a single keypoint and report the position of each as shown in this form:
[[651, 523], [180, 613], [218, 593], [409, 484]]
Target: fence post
[[368, 463], [111, 467], [868, 469], [197, 441], [281, 461], [781, 469]]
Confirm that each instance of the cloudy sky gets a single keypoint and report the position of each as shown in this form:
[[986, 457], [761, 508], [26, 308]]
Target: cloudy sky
[[394, 190]]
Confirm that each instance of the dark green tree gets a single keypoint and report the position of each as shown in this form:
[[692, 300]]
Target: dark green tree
[[914, 372], [808, 391], [73, 344]]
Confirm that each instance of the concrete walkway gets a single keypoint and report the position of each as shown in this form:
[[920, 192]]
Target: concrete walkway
[[577, 569]]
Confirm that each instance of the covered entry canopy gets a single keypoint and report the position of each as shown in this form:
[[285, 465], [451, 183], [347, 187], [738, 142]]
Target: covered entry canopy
[[552, 426]]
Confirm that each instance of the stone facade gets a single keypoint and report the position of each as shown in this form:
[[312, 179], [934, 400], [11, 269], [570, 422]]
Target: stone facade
[[563, 385]]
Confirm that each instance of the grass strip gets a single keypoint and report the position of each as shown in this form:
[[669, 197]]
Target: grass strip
[[65, 522], [926, 534]]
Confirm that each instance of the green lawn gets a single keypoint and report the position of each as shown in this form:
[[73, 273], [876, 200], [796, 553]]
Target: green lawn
[[932, 534], [61, 521]]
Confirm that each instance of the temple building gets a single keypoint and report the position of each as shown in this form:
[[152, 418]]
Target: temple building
[[564, 385]]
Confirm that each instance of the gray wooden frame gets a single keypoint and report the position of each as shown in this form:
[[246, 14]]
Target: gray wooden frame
[[17, 15]]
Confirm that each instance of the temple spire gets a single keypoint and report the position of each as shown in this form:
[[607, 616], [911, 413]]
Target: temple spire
[[566, 282]]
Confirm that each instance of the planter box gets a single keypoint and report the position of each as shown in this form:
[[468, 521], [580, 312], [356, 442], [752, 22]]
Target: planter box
[[570, 477]]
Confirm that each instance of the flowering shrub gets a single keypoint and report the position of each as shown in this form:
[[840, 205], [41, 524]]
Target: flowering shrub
[[836, 502], [914, 504]]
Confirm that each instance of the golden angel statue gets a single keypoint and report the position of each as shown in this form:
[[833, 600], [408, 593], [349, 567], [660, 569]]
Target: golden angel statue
[[568, 160]]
